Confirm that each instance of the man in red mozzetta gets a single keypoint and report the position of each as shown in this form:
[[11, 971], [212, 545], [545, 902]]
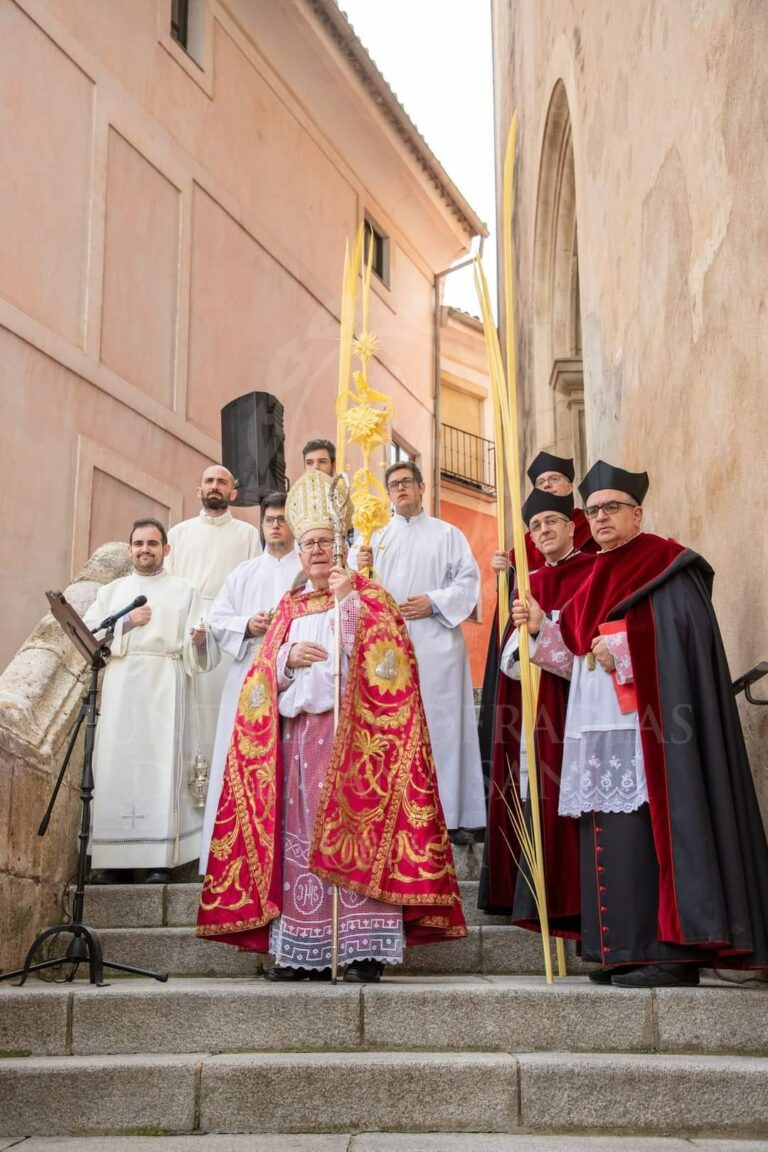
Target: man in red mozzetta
[[674, 861], [499, 723], [550, 521], [553, 474]]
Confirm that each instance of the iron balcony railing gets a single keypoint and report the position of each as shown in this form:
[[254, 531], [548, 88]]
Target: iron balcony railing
[[468, 459]]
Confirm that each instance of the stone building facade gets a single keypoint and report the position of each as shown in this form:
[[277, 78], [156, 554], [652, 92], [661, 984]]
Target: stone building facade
[[641, 232], [173, 237], [180, 183]]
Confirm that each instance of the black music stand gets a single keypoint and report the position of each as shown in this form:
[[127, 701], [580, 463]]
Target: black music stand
[[85, 946]]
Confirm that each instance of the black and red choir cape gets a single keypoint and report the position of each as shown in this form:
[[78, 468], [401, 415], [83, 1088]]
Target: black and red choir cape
[[496, 727], [708, 834], [551, 587]]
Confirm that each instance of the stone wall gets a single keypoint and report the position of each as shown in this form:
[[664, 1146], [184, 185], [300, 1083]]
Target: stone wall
[[40, 694], [647, 119]]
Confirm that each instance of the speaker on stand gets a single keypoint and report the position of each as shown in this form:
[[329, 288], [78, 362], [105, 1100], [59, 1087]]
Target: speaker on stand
[[253, 446]]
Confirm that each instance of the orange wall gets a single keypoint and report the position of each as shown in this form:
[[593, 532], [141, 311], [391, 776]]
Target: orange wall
[[480, 531]]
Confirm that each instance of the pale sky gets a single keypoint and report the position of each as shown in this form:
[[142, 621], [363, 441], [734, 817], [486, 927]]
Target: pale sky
[[436, 57]]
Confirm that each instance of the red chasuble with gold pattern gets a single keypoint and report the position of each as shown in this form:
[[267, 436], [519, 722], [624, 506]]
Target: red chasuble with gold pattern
[[380, 829]]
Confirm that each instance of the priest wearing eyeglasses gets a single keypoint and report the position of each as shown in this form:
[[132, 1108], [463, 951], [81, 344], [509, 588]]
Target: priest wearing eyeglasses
[[673, 855], [551, 522]]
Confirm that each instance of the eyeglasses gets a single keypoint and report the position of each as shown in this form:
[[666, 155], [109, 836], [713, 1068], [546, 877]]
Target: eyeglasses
[[610, 508], [324, 544], [548, 522], [393, 485], [550, 480], [274, 521]]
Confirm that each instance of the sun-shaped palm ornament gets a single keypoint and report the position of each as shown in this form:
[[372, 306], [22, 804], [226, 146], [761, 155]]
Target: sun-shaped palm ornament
[[364, 416]]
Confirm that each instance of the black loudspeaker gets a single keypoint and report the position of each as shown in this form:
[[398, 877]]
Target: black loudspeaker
[[253, 446]]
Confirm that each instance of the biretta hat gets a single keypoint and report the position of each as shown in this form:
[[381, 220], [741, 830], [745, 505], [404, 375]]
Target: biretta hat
[[546, 462], [603, 476], [547, 502], [308, 504]]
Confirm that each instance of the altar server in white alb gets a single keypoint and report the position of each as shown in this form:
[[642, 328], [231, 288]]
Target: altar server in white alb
[[238, 619], [143, 815], [427, 565], [204, 550]]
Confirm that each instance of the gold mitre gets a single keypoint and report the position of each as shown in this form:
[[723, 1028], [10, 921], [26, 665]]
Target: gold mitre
[[308, 505]]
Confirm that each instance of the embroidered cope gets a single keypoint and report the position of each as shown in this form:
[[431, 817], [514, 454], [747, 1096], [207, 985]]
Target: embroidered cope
[[375, 827]]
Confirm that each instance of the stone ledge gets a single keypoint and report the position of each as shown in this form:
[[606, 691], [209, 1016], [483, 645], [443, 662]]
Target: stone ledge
[[489, 949], [644, 1094], [451, 1013], [383, 1142], [175, 905], [56, 1095], [416, 1092]]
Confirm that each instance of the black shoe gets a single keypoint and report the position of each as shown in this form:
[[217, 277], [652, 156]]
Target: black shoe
[[110, 876], [316, 974], [159, 876], [363, 972], [461, 836], [659, 976], [605, 975], [280, 974]]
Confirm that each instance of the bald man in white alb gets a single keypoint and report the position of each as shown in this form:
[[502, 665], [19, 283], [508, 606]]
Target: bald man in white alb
[[204, 550]]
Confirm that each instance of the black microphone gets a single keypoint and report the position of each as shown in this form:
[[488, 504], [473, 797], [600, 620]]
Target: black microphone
[[110, 621]]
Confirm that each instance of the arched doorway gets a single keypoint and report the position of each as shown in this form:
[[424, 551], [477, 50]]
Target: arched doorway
[[558, 378]]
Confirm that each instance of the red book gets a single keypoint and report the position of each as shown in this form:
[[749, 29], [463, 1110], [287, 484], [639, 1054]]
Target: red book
[[625, 693]]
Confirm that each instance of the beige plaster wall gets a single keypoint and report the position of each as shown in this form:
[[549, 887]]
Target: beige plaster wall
[[173, 236], [667, 105]]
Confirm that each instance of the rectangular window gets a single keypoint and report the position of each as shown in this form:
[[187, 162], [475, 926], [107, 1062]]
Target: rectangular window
[[398, 452], [188, 28], [180, 22], [376, 239]]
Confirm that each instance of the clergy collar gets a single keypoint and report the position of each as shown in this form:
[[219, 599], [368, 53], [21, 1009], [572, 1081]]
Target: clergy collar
[[410, 519], [562, 560], [215, 521], [149, 575]]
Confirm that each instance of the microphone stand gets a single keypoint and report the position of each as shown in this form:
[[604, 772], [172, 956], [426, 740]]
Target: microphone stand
[[85, 946]]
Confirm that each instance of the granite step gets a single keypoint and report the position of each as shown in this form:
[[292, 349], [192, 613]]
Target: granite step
[[414, 1092], [175, 905], [487, 949], [489, 1014], [381, 1142]]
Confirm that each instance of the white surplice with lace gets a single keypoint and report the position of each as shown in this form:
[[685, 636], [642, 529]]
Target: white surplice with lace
[[603, 768]]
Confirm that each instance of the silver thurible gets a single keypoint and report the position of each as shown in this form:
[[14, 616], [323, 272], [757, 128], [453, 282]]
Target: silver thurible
[[198, 780]]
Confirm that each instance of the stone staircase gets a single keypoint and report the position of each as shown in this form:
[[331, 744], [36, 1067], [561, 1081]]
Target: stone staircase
[[149, 926], [466, 1038]]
